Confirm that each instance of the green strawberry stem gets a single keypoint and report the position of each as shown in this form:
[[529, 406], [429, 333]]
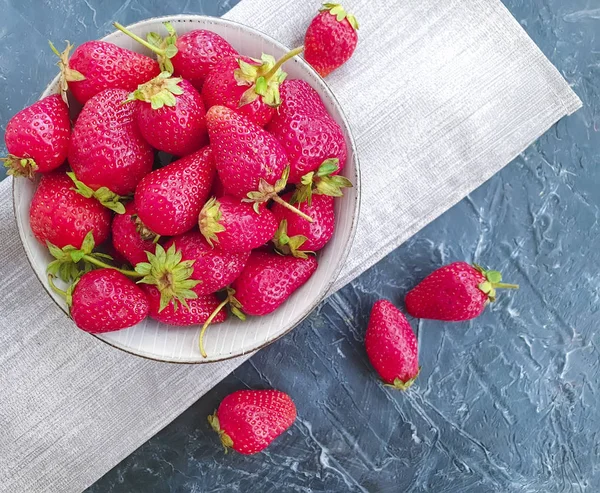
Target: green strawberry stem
[[492, 281], [503, 285], [99, 263], [281, 61], [141, 41], [56, 289], [236, 309], [283, 203], [207, 323], [65, 295]]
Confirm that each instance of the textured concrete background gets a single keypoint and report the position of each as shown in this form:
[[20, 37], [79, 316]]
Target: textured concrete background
[[506, 403]]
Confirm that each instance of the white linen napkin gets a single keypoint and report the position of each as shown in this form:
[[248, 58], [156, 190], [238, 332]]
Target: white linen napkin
[[440, 95]]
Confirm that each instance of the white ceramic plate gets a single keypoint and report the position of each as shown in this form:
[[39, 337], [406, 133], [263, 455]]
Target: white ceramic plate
[[232, 338]]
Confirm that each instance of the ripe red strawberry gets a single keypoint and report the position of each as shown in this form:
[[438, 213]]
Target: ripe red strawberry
[[105, 300], [97, 65], [59, 215], [197, 311], [249, 160], [171, 115], [392, 346], [235, 226], [248, 86], [269, 279], [37, 138], [169, 199], [214, 268], [167, 270], [297, 236], [126, 239], [249, 420], [222, 89], [191, 56], [330, 39], [305, 130], [244, 152], [107, 149], [455, 292]]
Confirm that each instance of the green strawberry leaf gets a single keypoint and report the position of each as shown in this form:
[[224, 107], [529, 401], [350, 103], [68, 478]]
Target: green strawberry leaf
[[170, 51], [105, 196], [493, 276], [170, 275]]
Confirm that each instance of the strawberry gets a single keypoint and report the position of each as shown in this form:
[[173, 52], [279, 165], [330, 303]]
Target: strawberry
[[392, 346], [330, 39], [104, 300], [191, 56], [170, 274], [455, 292], [295, 233], [214, 268], [299, 98], [250, 162], [126, 239], [306, 131], [168, 200], [269, 279], [37, 138], [59, 215], [248, 86], [249, 420], [235, 226], [244, 152], [107, 149], [97, 65], [197, 311], [171, 115]]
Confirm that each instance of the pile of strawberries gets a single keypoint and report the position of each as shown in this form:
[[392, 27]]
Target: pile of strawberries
[[234, 217]]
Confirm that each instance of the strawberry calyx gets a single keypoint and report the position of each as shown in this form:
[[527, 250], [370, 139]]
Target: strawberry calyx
[[209, 221], [67, 74], [226, 440], [321, 182], [340, 14], [170, 274], [165, 48], [104, 195], [70, 262], [267, 192], [286, 245], [234, 306], [402, 385], [159, 92], [144, 231], [493, 281], [19, 166], [264, 78]]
